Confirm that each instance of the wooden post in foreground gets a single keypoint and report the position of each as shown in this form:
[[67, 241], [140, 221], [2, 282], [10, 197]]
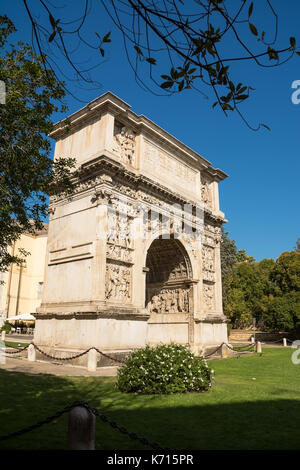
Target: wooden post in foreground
[[284, 342], [258, 347], [81, 429], [3, 335]]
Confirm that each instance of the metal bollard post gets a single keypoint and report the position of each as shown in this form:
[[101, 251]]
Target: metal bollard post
[[81, 429], [284, 342], [258, 347], [31, 354], [224, 350], [92, 360]]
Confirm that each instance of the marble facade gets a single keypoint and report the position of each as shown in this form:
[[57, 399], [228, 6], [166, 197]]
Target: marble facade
[[133, 257]]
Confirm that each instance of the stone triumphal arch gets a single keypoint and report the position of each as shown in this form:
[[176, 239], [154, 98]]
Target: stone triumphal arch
[[133, 256]]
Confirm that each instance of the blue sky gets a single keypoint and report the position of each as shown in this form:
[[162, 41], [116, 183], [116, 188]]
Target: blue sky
[[260, 197]]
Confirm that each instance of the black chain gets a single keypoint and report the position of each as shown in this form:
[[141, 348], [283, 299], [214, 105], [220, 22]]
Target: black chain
[[247, 348], [289, 341], [77, 355], [61, 358], [123, 430], [95, 412], [39, 424], [18, 351], [274, 342], [110, 357], [210, 354]]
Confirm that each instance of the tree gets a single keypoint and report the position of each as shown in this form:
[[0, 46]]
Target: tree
[[228, 252], [183, 45], [268, 291], [27, 173], [248, 291], [297, 247], [242, 256], [283, 313], [286, 272]]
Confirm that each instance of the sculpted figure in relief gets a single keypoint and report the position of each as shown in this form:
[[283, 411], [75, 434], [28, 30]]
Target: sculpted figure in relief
[[170, 301], [208, 294], [205, 193], [112, 235], [125, 141], [117, 282]]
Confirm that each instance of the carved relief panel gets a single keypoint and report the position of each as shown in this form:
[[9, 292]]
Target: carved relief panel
[[208, 263], [172, 300], [118, 282], [209, 296], [125, 147], [119, 229], [164, 165], [206, 192]]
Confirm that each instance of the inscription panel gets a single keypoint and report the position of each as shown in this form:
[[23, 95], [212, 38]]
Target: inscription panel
[[164, 166]]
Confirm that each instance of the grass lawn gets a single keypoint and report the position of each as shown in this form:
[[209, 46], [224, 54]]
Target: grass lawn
[[240, 412], [15, 344]]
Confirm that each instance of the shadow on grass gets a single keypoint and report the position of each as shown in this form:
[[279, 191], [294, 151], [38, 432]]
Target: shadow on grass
[[192, 421]]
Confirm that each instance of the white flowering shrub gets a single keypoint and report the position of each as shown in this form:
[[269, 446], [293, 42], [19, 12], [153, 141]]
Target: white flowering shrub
[[164, 369]]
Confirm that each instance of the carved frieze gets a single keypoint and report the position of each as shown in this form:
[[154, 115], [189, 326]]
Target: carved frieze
[[119, 229], [119, 253], [169, 300], [118, 282]]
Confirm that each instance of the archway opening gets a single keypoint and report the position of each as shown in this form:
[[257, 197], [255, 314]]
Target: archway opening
[[168, 278]]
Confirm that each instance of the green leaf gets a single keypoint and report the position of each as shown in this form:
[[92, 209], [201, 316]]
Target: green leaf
[[231, 85], [250, 10], [242, 97], [264, 125], [106, 37], [181, 85], [138, 50], [298, 53], [241, 90], [272, 53], [293, 42], [52, 21], [173, 73], [52, 36], [167, 84], [102, 51], [253, 29], [151, 60]]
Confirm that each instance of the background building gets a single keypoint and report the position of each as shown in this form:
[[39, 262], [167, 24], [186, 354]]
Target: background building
[[22, 289]]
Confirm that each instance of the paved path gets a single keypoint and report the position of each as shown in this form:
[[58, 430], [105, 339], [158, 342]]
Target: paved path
[[19, 338], [43, 367]]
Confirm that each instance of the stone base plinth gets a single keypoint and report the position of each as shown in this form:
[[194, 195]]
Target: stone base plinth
[[106, 334], [65, 335]]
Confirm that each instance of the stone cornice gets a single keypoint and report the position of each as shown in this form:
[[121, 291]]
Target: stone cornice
[[103, 165], [110, 103]]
